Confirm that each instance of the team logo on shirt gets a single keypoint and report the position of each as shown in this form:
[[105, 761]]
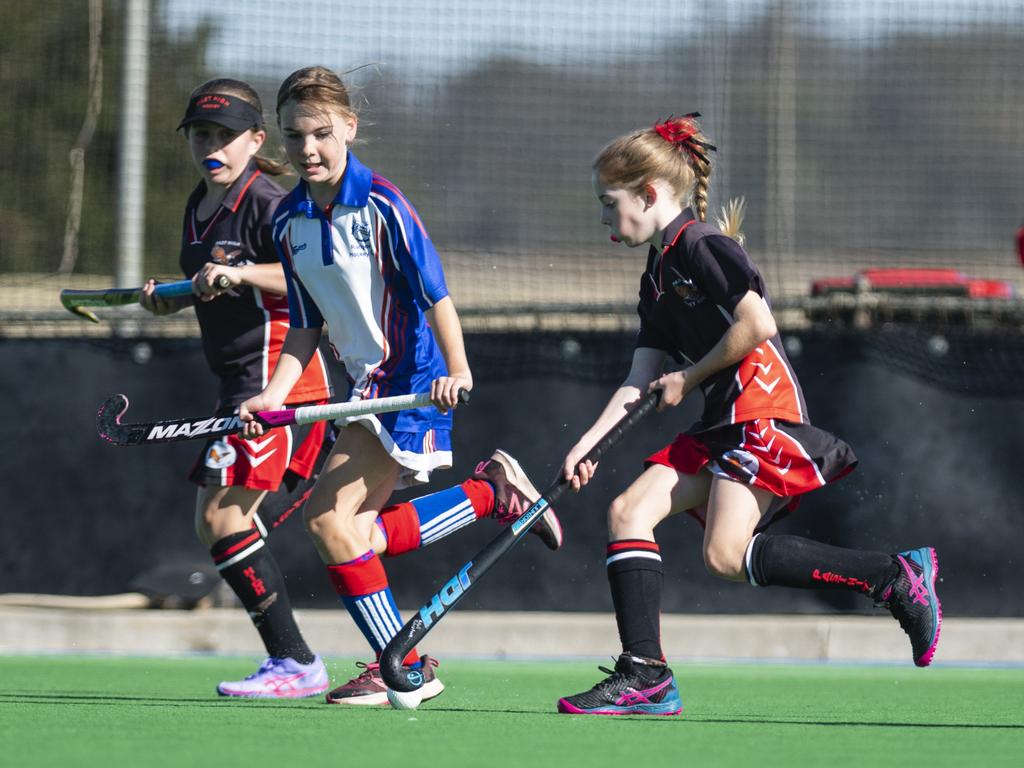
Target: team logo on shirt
[[359, 238], [361, 232], [686, 290], [219, 255], [220, 455]]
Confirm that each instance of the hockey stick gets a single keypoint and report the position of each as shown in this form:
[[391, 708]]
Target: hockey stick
[[74, 300], [395, 675], [108, 419]]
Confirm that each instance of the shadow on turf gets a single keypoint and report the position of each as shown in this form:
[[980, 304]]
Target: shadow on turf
[[75, 697], [864, 723], [751, 720]]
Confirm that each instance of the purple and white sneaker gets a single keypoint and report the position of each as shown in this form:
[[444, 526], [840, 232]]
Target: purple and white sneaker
[[635, 687], [280, 679], [913, 601]]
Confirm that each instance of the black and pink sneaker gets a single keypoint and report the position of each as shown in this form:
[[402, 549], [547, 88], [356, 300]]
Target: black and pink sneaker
[[635, 687], [913, 601], [514, 494]]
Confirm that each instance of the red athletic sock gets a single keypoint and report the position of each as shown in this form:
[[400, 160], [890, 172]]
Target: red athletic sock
[[417, 523], [401, 528], [481, 495], [363, 588]]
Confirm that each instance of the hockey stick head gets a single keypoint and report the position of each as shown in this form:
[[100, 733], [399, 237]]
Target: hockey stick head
[[111, 428], [396, 676], [108, 422], [69, 300], [76, 301]]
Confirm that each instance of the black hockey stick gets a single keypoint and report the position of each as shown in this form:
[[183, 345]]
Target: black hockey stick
[[108, 419], [395, 675]]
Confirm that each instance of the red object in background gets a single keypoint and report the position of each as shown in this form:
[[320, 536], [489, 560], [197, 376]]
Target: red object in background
[[1020, 245], [935, 281]]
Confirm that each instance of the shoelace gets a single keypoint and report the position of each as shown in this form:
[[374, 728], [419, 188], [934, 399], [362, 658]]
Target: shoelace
[[612, 681], [900, 612], [268, 665], [371, 669], [609, 683], [368, 670]]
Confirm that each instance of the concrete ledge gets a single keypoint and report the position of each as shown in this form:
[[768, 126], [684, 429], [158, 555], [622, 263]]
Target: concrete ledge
[[486, 634]]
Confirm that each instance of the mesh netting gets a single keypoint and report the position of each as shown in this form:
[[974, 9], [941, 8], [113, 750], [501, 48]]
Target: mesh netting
[[860, 134]]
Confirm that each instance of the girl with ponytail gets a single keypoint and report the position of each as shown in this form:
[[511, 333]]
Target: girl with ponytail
[[753, 453]]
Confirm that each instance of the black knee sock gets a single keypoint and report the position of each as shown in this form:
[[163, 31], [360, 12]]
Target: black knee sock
[[792, 561], [635, 576], [250, 569]]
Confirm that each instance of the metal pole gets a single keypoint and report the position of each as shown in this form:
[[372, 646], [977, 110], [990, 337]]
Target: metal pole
[[131, 176], [781, 180]]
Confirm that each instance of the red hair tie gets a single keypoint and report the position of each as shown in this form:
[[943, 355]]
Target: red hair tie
[[683, 131]]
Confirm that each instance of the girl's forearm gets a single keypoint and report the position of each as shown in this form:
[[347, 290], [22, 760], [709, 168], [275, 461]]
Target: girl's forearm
[[647, 365], [299, 346], [613, 411], [448, 332], [266, 277]]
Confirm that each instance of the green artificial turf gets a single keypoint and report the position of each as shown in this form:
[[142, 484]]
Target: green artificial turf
[[113, 711]]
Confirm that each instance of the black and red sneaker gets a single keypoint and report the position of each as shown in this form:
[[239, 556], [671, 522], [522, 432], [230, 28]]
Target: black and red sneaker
[[369, 689], [514, 494]]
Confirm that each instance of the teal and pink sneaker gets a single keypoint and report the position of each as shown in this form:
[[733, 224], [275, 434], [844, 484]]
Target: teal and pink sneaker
[[635, 687], [280, 679], [913, 601]]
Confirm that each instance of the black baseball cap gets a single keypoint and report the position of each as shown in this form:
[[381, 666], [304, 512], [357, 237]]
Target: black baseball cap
[[229, 111]]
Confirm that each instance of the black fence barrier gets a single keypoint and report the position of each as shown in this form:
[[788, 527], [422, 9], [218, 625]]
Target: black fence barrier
[[937, 467]]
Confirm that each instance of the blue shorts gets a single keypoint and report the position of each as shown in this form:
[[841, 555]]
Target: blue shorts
[[418, 453]]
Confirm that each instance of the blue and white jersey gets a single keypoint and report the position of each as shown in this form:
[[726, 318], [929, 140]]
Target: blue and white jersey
[[367, 267]]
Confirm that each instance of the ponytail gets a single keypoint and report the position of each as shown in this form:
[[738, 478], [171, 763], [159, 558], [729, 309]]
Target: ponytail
[[673, 149], [684, 134], [272, 167], [730, 220]]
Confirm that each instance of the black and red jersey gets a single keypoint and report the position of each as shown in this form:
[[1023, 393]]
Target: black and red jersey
[[244, 329], [688, 294]]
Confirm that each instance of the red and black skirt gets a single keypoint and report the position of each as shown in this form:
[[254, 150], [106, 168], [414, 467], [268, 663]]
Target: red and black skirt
[[784, 458]]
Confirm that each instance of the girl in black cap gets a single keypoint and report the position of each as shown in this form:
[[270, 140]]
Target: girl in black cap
[[228, 252], [754, 451]]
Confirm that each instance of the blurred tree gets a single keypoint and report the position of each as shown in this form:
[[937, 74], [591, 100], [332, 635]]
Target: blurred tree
[[44, 74]]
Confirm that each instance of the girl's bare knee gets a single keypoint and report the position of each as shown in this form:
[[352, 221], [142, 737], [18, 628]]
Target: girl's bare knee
[[620, 515], [725, 561]]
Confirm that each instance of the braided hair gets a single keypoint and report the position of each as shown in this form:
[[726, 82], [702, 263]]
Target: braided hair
[[674, 150]]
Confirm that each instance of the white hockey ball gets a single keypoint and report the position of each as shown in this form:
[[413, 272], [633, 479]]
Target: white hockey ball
[[405, 699]]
